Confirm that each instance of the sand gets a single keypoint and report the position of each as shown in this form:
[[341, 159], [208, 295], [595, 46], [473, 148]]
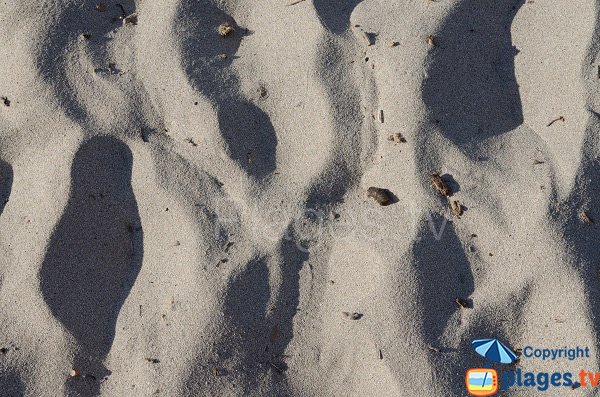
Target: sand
[[184, 213]]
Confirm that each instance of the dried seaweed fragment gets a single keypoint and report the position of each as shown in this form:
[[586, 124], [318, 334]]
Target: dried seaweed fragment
[[397, 138], [456, 208], [440, 186]]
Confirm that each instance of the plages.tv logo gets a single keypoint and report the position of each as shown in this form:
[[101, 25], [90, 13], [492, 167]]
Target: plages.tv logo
[[487, 381], [482, 382]]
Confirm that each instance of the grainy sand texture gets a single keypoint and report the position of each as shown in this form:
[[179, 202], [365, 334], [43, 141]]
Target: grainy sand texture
[[185, 206]]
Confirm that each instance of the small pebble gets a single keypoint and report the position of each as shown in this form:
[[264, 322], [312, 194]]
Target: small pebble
[[353, 316], [382, 196]]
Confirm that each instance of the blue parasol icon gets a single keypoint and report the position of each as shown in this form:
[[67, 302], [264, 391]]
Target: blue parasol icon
[[494, 350]]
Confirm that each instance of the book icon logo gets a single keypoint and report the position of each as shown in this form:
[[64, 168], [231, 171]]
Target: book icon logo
[[482, 382]]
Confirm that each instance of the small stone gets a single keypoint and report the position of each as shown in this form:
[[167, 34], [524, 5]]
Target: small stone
[[353, 316], [74, 373], [382, 196]]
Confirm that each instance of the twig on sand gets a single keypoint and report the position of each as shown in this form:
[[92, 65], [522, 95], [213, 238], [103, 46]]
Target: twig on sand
[[586, 218], [294, 3], [561, 118]]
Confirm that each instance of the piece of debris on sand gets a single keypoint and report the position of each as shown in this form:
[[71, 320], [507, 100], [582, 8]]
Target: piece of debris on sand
[[456, 208], [397, 138], [225, 29], [353, 316], [130, 19], [431, 40], [439, 185], [382, 196], [464, 304], [5, 100], [586, 218]]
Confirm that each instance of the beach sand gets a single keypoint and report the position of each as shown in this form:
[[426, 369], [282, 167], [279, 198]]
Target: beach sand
[[185, 213]]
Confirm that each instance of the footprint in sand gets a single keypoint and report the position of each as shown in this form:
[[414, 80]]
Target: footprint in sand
[[94, 255]]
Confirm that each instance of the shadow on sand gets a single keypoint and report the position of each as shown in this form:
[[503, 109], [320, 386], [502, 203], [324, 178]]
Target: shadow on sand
[[471, 89], [94, 255]]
